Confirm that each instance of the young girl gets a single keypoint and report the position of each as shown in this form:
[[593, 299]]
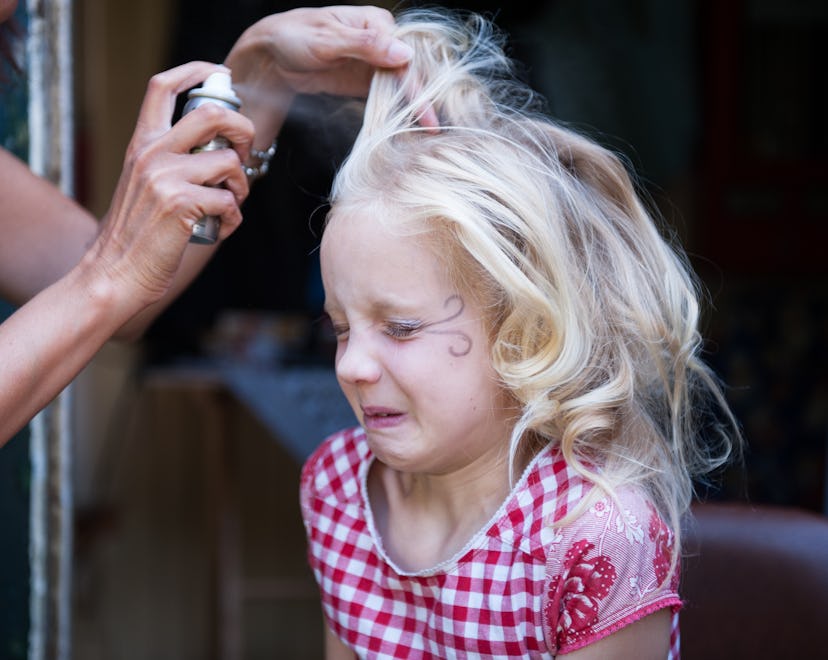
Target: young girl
[[520, 347]]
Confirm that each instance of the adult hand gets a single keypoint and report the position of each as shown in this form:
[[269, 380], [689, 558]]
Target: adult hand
[[164, 189], [310, 50]]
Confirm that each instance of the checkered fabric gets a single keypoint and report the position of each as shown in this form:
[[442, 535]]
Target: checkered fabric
[[522, 587]]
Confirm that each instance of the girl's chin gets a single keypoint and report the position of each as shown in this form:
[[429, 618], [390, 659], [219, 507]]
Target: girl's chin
[[392, 455]]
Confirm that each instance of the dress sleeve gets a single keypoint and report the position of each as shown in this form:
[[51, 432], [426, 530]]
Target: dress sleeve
[[607, 569]]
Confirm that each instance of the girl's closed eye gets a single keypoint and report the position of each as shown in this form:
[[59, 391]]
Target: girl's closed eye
[[333, 329], [402, 329], [339, 330]]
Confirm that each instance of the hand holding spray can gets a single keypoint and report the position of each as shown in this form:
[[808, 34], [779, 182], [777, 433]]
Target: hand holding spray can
[[216, 89]]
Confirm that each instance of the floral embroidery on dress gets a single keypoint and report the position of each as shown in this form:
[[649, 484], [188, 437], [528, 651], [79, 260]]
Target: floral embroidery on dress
[[600, 508], [627, 523], [661, 536], [576, 592]]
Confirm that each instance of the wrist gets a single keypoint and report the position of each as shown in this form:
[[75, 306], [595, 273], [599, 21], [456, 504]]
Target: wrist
[[98, 285], [112, 289], [265, 93], [89, 301], [259, 163]]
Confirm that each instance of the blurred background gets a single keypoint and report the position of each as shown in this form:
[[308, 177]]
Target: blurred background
[[188, 539]]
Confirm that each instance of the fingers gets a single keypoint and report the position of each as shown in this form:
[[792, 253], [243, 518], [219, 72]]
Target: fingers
[[220, 168], [208, 169], [160, 185], [162, 152], [428, 119], [367, 33], [214, 202], [164, 189], [159, 101], [425, 115], [197, 127], [207, 122], [372, 40]]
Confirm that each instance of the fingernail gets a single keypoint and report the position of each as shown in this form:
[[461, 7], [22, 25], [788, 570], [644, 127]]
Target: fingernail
[[399, 51]]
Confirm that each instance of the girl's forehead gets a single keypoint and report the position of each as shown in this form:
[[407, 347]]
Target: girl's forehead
[[365, 257], [373, 227], [375, 212]]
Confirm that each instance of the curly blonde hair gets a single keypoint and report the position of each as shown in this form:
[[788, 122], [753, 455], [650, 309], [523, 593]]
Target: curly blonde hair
[[593, 314]]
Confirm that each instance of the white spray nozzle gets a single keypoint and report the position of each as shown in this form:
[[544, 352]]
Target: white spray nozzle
[[219, 86]]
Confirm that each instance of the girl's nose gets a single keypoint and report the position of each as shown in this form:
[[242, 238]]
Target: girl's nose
[[356, 361]]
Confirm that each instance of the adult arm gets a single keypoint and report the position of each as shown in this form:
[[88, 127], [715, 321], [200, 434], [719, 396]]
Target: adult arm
[[48, 237], [331, 50], [130, 262], [44, 233]]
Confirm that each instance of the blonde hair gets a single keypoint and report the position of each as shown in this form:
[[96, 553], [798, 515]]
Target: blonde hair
[[593, 314]]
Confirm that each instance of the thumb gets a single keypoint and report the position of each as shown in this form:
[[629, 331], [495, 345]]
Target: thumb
[[398, 53]]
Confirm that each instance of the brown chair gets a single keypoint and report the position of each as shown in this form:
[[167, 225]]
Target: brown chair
[[755, 584]]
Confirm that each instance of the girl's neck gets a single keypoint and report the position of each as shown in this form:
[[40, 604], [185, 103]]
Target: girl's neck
[[424, 520]]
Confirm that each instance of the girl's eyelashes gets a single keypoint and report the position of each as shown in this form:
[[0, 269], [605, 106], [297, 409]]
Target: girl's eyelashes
[[331, 329], [339, 330], [402, 329]]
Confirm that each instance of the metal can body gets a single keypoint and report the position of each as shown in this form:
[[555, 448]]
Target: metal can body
[[206, 229]]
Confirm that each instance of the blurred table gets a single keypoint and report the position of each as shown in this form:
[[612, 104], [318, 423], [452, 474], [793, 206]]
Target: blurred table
[[299, 406]]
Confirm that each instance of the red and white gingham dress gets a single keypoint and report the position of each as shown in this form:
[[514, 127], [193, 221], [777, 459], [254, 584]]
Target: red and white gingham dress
[[520, 588]]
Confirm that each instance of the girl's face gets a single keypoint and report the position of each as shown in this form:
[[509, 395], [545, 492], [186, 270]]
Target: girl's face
[[412, 351]]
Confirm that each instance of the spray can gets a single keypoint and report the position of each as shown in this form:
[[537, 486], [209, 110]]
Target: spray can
[[216, 89]]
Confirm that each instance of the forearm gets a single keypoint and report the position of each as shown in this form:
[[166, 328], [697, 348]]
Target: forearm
[[331, 50], [266, 103], [193, 262], [45, 234], [47, 342]]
